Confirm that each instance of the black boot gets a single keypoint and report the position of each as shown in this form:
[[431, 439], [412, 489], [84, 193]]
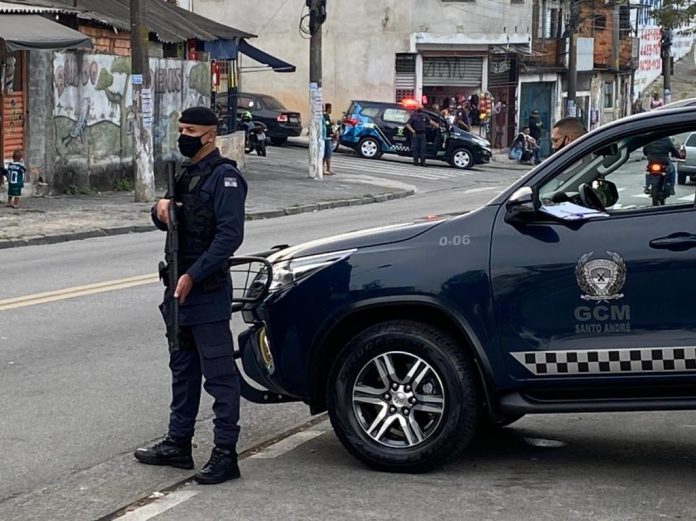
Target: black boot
[[167, 452], [221, 466]]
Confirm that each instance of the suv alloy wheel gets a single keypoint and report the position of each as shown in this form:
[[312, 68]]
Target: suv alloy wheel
[[403, 397]]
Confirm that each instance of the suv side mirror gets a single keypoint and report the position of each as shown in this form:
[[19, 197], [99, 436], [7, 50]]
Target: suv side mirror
[[521, 207], [606, 191]]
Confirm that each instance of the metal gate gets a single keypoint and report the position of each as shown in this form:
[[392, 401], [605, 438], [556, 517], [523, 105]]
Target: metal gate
[[405, 76], [538, 96], [452, 71]]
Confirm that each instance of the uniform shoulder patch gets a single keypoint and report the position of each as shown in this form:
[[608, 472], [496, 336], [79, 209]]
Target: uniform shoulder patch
[[231, 182]]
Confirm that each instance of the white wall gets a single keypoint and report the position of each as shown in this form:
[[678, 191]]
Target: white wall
[[479, 21], [360, 40]]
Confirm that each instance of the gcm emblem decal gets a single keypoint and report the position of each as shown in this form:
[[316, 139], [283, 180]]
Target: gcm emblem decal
[[601, 279]]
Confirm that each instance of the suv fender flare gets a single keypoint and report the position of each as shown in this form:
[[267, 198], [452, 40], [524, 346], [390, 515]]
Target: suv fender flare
[[332, 325]]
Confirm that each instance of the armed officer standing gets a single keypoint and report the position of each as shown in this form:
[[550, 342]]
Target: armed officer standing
[[418, 125], [209, 195]]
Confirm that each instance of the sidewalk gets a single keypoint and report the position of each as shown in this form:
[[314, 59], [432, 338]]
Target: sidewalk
[[273, 192]]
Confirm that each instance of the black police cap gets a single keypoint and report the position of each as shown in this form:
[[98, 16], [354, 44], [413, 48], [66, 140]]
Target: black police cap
[[199, 116]]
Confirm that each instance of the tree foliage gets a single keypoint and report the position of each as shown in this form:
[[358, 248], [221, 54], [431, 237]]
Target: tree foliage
[[675, 14]]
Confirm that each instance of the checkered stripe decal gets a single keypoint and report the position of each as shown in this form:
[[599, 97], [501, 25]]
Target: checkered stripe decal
[[610, 361], [400, 148]]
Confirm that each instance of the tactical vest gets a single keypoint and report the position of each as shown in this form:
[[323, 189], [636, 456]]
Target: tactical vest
[[197, 223]]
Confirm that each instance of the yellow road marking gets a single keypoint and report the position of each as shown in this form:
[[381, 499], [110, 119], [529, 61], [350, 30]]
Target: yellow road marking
[[77, 291]]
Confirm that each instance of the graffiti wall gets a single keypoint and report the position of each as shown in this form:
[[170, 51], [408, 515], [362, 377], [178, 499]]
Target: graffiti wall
[[650, 36], [92, 111]]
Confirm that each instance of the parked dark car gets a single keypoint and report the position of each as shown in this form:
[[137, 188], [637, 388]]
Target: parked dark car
[[568, 292], [373, 128], [281, 122]]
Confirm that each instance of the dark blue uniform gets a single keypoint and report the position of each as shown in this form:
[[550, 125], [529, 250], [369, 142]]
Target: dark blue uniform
[[204, 316], [419, 122]]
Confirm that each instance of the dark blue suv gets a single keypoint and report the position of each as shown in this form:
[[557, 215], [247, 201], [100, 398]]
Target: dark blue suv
[[569, 292]]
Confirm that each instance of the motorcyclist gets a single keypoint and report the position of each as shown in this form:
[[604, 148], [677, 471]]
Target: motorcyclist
[[247, 123], [254, 136], [659, 151]]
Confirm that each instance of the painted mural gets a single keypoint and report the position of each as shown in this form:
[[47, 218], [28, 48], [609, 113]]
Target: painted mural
[[93, 105]]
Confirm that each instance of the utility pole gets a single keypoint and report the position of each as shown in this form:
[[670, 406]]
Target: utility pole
[[143, 161], [570, 109], [666, 54], [317, 16]]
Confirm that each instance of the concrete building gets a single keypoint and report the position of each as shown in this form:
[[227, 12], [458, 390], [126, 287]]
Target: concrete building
[[606, 59], [386, 50]]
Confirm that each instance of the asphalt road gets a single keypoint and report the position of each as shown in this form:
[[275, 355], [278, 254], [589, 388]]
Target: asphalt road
[[83, 371], [84, 381]]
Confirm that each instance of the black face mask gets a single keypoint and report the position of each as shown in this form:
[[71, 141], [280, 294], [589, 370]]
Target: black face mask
[[189, 146], [563, 144]]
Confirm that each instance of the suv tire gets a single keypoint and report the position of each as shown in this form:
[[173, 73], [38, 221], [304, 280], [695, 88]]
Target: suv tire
[[443, 400], [368, 148], [681, 178], [278, 141], [462, 158]]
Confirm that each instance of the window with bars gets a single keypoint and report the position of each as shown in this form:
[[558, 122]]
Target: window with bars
[[608, 94], [599, 22]]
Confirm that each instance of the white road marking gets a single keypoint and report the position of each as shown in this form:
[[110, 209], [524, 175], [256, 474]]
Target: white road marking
[[397, 168], [288, 444], [159, 506], [482, 189]]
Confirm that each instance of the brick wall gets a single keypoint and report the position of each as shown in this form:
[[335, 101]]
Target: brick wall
[[603, 37], [545, 52], [107, 41]]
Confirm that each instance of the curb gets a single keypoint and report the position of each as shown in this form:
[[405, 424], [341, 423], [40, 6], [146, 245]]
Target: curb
[[38, 240]]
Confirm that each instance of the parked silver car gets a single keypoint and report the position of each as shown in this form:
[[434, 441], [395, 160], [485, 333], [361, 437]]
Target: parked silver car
[[686, 167]]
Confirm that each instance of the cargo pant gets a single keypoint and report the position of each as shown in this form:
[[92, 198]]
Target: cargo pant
[[211, 362]]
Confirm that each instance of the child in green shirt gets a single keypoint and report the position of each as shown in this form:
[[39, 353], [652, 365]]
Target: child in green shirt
[[16, 172]]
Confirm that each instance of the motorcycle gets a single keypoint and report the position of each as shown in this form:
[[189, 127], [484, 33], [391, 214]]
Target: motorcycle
[[656, 182], [255, 138]]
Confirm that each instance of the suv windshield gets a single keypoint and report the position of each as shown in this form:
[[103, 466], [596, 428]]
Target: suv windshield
[[272, 103]]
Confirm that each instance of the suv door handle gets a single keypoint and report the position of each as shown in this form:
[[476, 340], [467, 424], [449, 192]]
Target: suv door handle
[[681, 241]]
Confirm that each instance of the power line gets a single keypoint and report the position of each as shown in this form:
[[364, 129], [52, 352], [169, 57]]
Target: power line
[[272, 17]]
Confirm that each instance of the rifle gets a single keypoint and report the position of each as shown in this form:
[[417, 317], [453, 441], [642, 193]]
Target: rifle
[[172, 258]]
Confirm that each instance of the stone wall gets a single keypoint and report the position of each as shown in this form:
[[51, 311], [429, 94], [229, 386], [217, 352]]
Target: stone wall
[[232, 147], [41, 137]]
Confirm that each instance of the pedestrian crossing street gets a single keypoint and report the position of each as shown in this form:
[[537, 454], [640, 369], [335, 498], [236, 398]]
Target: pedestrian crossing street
[[435, 170]]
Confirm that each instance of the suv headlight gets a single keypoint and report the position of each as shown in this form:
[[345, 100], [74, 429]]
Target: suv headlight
[[483, 142], [287, 272]]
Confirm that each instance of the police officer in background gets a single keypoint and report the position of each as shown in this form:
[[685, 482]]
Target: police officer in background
[[418, 125], [210, 194]]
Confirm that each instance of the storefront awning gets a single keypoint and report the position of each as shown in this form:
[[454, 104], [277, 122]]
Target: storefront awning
[[31, 32], [260, 56]]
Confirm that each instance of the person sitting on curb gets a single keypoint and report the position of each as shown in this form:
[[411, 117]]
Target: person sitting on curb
[[525, 148]]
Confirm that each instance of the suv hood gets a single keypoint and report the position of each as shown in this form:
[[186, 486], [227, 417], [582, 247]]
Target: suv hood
[[358, 239]]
